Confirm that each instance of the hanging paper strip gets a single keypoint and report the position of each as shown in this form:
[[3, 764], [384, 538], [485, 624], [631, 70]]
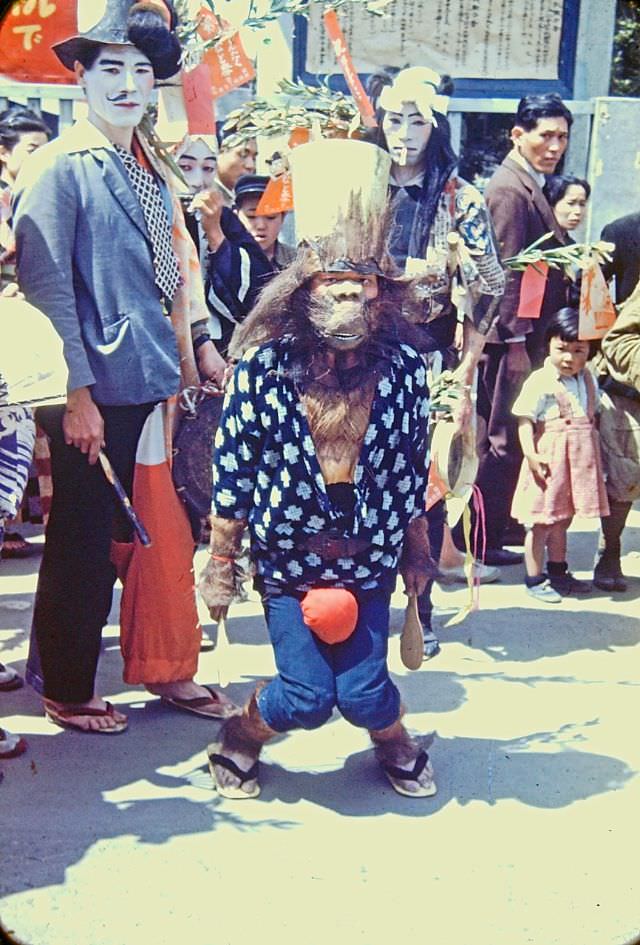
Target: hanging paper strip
[[198, 100], [597, 311], [339, 43], [532, 287]]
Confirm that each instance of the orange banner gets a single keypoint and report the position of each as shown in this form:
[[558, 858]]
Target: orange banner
[[277, 196], [28, 30], [228, 64], [339, 43], [532, 287]]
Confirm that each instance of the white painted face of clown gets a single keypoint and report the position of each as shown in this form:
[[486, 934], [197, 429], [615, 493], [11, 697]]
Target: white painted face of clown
[[118, 87], [407, 133], [197, 161]]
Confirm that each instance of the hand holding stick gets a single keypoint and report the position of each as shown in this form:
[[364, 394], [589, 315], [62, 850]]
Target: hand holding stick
[[125, 502]]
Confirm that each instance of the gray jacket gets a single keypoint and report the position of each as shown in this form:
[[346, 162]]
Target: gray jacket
[[84, 259]]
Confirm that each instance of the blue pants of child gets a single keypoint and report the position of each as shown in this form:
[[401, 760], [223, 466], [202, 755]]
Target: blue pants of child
[[315, 677]]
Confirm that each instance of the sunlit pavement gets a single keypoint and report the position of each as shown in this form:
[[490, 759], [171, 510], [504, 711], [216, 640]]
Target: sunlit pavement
[[532, 837]]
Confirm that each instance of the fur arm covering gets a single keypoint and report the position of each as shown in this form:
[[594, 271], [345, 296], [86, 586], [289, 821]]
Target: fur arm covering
[[416, 564], [221, 581]]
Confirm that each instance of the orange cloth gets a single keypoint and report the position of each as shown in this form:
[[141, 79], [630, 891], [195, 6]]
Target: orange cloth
[[330, 612], [159, 627]]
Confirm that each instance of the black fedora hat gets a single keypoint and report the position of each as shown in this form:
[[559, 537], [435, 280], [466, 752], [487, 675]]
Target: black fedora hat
[[114, 28]]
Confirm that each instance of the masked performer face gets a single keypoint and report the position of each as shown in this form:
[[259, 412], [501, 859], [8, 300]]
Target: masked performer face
[[118, 86], [338, 311], [197, 160], [407, 132]]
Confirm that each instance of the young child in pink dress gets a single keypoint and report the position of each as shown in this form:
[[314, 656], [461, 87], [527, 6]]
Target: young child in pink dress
[[561, 474]]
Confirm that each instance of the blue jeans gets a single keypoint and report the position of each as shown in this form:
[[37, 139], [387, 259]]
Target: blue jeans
[[315, 677]]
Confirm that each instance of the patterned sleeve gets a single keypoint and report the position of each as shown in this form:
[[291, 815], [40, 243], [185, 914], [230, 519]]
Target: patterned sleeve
[[482, 266], [420, 425], [238, 444]]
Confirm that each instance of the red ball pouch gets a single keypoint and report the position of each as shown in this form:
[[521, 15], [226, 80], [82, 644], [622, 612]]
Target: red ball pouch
[[330, 612]]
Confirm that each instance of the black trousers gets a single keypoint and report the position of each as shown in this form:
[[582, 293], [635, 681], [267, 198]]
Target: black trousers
[[76, 580], [500, 454]]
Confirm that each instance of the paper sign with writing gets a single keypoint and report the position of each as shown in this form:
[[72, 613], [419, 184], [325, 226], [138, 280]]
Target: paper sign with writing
[[277, 197], [597, 311], [343, 56], [532, 286], [27, 32], [492, 39], [229, 66]]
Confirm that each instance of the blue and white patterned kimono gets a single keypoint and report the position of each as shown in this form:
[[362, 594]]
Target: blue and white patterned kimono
[[266, 470], [17, 436]]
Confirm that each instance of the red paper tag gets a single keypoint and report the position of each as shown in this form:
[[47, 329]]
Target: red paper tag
[[277, 196], [532, 286], [27, 32], [339, 43], [199, 105]]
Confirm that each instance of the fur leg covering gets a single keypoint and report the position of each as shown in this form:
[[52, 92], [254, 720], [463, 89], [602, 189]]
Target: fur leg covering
[[247, 731], [396, 750], [416, 551], [219, 580]]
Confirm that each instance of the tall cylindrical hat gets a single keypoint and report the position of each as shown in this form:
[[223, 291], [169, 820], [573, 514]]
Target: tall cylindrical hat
[[340, 199]]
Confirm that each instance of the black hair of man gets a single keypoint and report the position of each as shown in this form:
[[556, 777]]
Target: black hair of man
[[532, 108]]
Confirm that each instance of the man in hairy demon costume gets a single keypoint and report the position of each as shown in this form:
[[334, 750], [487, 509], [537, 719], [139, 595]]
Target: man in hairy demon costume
[[321, 452]]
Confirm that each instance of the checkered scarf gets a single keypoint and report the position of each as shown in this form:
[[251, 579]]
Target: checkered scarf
[[165, 264]]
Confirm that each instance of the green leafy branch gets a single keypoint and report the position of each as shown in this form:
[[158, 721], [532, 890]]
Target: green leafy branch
[[308, 107], [570, 258], [194, 45]]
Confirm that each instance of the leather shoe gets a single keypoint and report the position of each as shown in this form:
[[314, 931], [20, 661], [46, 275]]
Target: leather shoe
[[501, 558]]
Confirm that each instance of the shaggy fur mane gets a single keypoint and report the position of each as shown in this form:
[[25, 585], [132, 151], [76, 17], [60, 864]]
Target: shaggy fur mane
[[283, 306]]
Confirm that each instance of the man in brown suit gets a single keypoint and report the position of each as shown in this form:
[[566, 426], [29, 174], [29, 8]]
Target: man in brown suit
[[520, 215]]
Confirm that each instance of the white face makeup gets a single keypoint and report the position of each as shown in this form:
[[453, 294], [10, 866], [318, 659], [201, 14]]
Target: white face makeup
[[118, 86], [407, 133], [197, 162]]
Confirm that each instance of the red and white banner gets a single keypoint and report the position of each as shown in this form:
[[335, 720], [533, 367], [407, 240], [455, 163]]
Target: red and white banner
[[339, 43]]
